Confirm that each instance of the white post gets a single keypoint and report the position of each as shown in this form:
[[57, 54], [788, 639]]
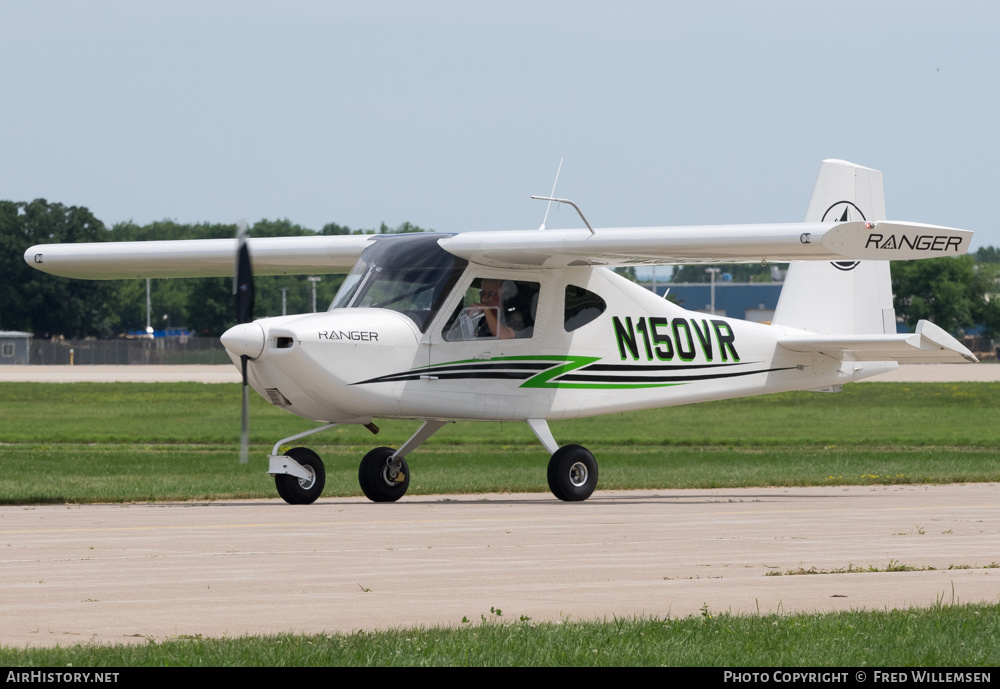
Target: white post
[[713, 272], [149, 326], [313, 279]]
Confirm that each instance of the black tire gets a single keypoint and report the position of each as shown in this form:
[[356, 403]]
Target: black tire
[[572, 473], [298, 491], [279, 483], [376, 483]]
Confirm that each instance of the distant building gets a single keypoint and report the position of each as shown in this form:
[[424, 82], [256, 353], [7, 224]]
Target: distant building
[[14, 347], [179, 331], [750, 301]]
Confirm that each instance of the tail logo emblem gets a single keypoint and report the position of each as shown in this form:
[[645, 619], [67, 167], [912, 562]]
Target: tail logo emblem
[[843, 211]]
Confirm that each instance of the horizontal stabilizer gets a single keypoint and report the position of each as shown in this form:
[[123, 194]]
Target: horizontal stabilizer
[[197, 258], [929, 344]]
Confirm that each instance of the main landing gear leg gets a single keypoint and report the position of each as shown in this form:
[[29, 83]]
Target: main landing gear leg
[[384, 474], [572, 470]]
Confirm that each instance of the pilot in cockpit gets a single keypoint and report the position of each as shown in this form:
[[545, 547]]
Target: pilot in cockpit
[[496, 322], [494, 309]]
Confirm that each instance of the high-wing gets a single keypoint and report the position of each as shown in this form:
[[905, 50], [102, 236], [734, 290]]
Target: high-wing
[[197, 257], [883, 240]]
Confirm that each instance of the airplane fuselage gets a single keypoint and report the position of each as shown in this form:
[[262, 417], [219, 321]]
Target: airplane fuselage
[[350, 365]]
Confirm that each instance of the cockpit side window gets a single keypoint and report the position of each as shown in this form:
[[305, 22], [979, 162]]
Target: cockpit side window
[[494, 309], [409, 274], [582, 306]]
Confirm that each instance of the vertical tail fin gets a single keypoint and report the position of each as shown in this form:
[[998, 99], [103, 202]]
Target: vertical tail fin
[[845, 297]]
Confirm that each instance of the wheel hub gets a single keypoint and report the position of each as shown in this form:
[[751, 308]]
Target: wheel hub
[[391, 473], [307, 483], [578, 474]]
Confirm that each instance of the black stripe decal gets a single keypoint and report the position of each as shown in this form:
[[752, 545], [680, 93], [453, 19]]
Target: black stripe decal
[[673, 367], [484, 370], [582, 378]]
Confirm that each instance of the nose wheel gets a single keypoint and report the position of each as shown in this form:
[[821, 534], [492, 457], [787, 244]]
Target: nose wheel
[[302, 491]]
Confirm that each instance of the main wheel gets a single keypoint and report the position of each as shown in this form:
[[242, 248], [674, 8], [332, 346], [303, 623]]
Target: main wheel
[[378, 482], [302, 491], [572, 473]]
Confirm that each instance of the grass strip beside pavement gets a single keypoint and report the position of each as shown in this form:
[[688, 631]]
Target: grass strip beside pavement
[[953, 636]]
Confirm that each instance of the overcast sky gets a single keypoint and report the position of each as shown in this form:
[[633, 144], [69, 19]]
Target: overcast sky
[[450, 114]]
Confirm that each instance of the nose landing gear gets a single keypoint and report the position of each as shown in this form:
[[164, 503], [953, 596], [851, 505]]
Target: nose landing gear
[[302, 490]]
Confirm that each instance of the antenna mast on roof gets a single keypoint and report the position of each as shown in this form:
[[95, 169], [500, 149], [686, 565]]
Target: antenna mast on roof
[[549, 205]]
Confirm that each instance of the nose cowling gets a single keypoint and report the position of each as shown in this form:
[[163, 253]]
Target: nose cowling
[[245, 339]]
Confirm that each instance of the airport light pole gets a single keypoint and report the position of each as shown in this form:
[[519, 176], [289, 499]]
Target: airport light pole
[[149, 326], [313, 279], [713, 272]]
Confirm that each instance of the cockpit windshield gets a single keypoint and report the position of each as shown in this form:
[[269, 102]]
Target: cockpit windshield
[[409, 274]]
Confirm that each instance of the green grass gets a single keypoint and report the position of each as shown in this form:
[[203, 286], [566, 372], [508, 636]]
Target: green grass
[[92, 442], [879, 413], [959, 636]]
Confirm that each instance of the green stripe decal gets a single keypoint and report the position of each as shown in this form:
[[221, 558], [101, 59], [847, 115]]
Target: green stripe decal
[[544, 379]]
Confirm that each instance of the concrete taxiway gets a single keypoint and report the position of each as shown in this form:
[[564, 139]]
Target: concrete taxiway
[[125, 573]]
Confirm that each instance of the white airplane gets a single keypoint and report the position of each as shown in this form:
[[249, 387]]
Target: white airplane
[[531, 326]]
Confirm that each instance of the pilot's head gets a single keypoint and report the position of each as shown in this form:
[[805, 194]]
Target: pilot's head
[[496, 292]]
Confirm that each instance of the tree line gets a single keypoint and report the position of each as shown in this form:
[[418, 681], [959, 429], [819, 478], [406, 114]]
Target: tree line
[[956, 293], [47, 305]]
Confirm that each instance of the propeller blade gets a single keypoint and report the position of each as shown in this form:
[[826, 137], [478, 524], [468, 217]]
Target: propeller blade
[[243, 289], [243, 297]]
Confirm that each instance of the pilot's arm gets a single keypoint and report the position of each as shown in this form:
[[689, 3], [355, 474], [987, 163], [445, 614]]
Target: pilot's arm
[[490, 325]]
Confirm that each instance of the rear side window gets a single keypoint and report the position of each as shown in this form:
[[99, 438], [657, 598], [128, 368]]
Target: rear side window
[[582, 306]]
